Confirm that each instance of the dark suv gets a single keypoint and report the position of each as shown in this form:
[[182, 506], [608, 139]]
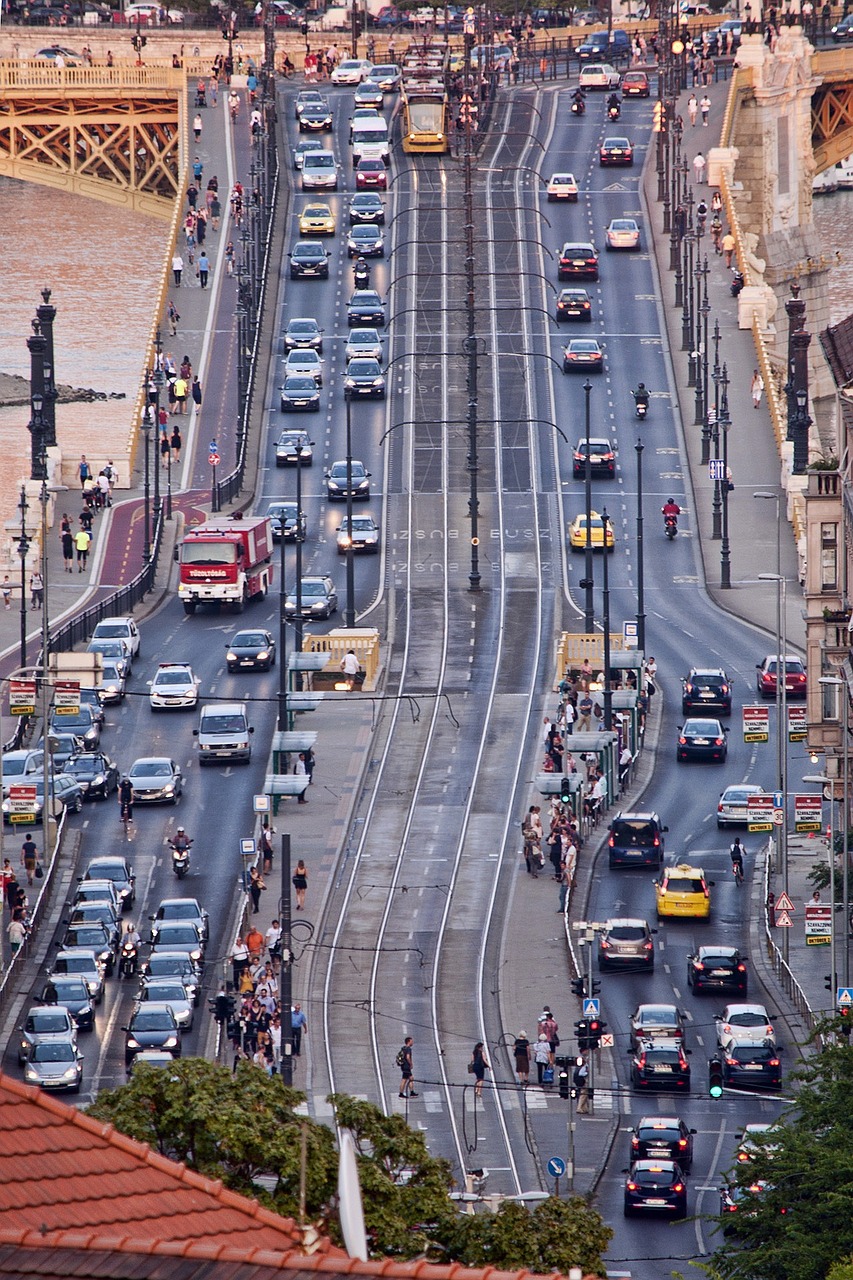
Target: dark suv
[[717, 969], [660, 1064], [636, 840], [597, 48], [706, 687], [663, 1138]]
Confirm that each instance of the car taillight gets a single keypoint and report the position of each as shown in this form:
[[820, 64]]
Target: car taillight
[[681, 741], [647, 946], [682, 1142], [611, 842], [730, 1206], [632, 1186], [705, 889], [718, 742], [698, 964], [642, 1060], [741, 968], [774, 1062], [732, 1062], [679, 1186], [743, 1157], [604, 944], [590, 262], [635, 1144], [724, 688], [656, 841]]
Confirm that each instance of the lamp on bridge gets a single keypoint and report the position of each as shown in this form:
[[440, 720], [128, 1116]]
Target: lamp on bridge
[[46, 314], [37, 346], [801, 341]]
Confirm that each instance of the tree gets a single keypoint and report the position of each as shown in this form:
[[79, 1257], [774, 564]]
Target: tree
[[800, 1222], [239, 1127]]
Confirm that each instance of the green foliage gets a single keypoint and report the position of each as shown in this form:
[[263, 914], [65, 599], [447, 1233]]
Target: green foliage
[[557, 1235], [801, 1224]]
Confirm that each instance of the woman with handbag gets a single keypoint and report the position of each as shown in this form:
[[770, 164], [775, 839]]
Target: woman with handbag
[[477, 1067], [542, 1058], [300, 884]]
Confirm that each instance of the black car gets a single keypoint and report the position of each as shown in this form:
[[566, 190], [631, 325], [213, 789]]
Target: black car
[[251, 650], [318, 599], [94, 936], [283, 517], [308, 259], [636, 840], [96, 774], [366, 309], [365, 240], [71, 991], [752, 1065], [152, 1026], [366, 206], [715, 968], [660, 1064], [300, 394], [706, 687], [573, 304], [663, 1138], [316, 117], [82, 723], [117, 870], [364, 379], [701, 740], [344, 478], [577, 261], [656, 1186], [602, 458], [303, 332]]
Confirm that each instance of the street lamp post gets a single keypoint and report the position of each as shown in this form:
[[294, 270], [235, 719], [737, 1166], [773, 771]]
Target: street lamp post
[[824, 781], [781, 723], [46, 314], [282, 626], [840, 683], [608, 692], [147, 423], [300, 445], [23, 548], [714, 423], [587, 584], [687, 289], [641, 614], [349, 617], [37, 346], [724, 422]]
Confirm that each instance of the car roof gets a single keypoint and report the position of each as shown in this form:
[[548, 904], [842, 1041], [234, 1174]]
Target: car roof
[[683, 869], [620, 921]]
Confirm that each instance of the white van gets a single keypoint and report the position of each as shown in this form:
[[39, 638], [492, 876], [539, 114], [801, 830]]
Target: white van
[[319, 171], [370, 140], [224, 733]]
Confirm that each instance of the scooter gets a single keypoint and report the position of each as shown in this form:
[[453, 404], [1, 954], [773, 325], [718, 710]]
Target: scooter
[[670, 526], [180, 860], [578, 107], [361, 275], [128, 959], [613, 113], [737, 283], [641, 407]]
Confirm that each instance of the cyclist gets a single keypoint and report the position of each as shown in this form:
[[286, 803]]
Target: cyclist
[[736, 855], [125, 799]]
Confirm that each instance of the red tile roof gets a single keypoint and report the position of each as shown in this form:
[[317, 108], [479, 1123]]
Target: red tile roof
[[61, 1171]]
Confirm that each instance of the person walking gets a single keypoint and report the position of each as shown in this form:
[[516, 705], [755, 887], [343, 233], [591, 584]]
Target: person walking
[[531, 831], [67, 539], [541, 1056], [256, 887], [181, 389], [728, 246], [265, 848], [301, 772], [705, 107], [174, 317], [165, 450], [756, 388], [215, 212], [699, 166], [693, 109], [82, 542], [406, 1064], [195, 391], [17, 932], [521, 1053], [585, 705], [176, 443], [29, 856], [580, 1079], [351, 668], [299, 1025], [36, 589], [197, 125], [177, 269], [478, 1066], [239, 961], [6, 588], [300, 884]]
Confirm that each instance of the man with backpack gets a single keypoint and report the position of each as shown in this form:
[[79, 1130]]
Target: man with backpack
[[404, 1062]]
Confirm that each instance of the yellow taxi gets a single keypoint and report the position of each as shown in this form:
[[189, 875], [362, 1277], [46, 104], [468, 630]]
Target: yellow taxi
[[578, 533], [316, 220], [682, 890]]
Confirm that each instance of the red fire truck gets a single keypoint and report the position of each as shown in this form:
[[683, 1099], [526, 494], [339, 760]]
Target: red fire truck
[[226, 561]]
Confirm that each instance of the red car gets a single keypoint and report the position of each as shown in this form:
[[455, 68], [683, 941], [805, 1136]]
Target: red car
[[635, 84], [371, 174], [795, 677]]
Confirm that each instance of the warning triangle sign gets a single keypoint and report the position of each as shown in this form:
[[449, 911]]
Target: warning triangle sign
[[783, 903], [783, 920]]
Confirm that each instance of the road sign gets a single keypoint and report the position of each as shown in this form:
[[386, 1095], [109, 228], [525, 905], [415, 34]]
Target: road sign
[[818, 920], [66, 697], [630, 635], [759, 813], [213, 459], [716, 470], [778, 817], [818, 939], [591, 1008], [808, 813], [607, 1040], [22, 803], [844, 997], [784, 903], [783, 920], [22, 697], [796, 724], [261, 804], [756, 724], [556, 1167]]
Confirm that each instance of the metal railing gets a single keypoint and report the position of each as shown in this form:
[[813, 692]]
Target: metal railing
[[789, 983], [126, 76], [8, 984]]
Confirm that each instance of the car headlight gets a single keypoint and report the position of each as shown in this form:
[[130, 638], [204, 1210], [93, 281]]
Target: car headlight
[[362, 484], [98, 780], [169, 788], [196, 956], [171, 1043], [262, 656], [24, 1046], [333, 484], [133, 1043], [106, 955], [379, 382], [345, 540], [349, 382], [30, 1073], [230, 656], [70, 1074]]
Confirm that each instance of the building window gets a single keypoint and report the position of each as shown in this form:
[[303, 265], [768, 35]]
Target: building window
[[829, 556]]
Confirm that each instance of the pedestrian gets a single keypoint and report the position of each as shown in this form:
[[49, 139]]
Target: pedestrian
[[165, 451], [67, 539], [197, 123], [308, 756], [531, 831], [650, 673], [728, 246], [215, 212], [477, 1067], [29, 856], [351, 667], [213, 85], [585, 705], [580, 1079], [273, 940], [192, 200], [565, 880], [541, 1056], [406, 1065], [82, 542], [756, 388], [254, 945], [198, 170], [555, 844], [265, 848], [181, 389], [6, 588], [521, 1053], [705, 107], [699, 168], [717, 234], [174, 317], [201, 229], [256, 887], [177, 268], [36, 589], [299, 1024], [239, 961], [195, 389], [176, 442], [17, 932], [301, 772], [104, 492], [692, 109], [300, 884], [229, 258]]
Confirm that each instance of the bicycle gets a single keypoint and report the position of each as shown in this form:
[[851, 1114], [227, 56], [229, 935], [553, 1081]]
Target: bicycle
[[126, 818], [737, 868]]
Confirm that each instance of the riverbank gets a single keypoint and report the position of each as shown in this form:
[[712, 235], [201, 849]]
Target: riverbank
[[15, 392]]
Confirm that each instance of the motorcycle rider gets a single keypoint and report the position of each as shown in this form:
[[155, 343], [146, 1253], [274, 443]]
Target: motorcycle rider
[[361, 272], [671, 510], [641, 395], [613, 103], [130, 937], [181, 842], [579, 98]]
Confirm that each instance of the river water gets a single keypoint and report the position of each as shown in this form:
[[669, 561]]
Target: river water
[[101, 264]]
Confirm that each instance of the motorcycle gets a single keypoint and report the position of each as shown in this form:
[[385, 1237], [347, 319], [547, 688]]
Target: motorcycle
[[737, 283], [180, 859], [613, 113], [361, 275], [578, 107], [128, 959], [670, 526], [641, 406]]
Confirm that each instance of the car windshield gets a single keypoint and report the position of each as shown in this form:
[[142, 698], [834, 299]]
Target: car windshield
[[747, 1018], [47, 1020], [175, 932], [178, 911], [112, 631], [633, 831], [704, 728], [89, 935], [165, 991], [300, 382], [250, 640], [172, 677], [13, 768], [752, 1053], [658, 1133], [733, 794], [659, 1055], [156, 1020], [627, 932], [657, 1177], [151, 769], [683, 884], [77, 964], [623, 224], [224, 724], [83, 765], [53, 1051], [168, 965], [313, 588], [302, 327], [656, 1013], [718, 959], [111, 871]]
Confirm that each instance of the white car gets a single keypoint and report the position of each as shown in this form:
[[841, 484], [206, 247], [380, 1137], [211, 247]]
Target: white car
[[174, 686], [351, 71], [743, 1024], [306, 361], [151, 13], [562, 186], [622, 233], [363, 343], [732, 810], [599, 75], [120, 629]]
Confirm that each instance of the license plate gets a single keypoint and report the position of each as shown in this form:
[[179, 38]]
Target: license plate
[[751, 1066], [657, 1201], [709, 696], [658, 1153], [663, 1067], [700, 742], [720, 973], [246, 662], [595, 457]]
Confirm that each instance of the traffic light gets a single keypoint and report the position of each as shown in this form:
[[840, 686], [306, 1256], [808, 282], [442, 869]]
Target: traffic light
[[565, 790], [563, 1078], [596, 987], [222, 1007], [845, 1015], [596, 1030], [715, 1077], [827, 981], [578, 987], [659, 116], [582, 1033], [304, 29]]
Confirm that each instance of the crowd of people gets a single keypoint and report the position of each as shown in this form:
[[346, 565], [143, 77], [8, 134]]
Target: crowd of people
[[255, 1029]]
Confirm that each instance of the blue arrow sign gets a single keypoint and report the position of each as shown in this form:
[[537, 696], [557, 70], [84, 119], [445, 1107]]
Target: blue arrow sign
[[591, 1008], [556, 1167], [778, 800], [844, 997]]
